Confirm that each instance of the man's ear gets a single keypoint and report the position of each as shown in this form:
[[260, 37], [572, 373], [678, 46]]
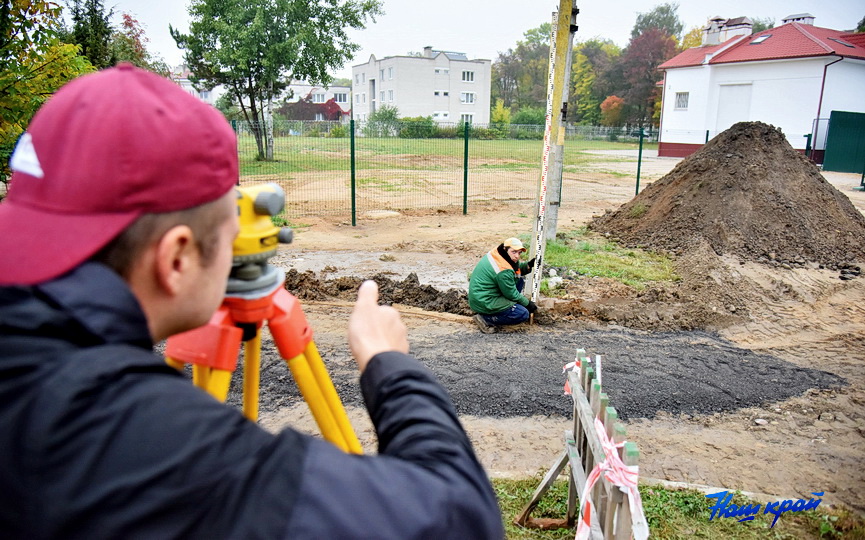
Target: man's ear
[[176, 254]]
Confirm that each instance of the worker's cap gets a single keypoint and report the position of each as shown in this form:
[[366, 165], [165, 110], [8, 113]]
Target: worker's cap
[[105, 149], [514, 243]]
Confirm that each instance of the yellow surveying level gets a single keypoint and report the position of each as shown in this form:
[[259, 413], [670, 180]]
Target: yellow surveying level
[[256, 293]]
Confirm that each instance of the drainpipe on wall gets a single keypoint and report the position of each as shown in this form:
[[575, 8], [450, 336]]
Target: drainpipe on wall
[[820, 103]]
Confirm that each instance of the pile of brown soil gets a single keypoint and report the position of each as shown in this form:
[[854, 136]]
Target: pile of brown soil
[[747, 193], [306, 286]]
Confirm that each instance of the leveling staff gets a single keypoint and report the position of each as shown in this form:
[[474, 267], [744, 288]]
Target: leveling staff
[[116, 233]]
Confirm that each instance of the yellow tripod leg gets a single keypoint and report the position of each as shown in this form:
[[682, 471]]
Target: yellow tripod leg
[[213, 381], [315, 399], [325, 384], [251, 376], [174, 363]]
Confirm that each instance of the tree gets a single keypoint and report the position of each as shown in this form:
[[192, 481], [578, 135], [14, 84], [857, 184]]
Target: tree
[[384, 122], [500, 118], [694, 38], [254, 48], [591, 72], [640, 68], [758, 24], [129, 44], [91, 30], [861, 26], [519, 76], [663, 16], [612, 110], [33, 65]]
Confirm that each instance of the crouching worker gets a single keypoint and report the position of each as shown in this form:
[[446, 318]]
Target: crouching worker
[[496, 285], [117, 233]]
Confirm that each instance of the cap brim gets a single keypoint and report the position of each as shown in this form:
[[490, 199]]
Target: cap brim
[[38, 245]]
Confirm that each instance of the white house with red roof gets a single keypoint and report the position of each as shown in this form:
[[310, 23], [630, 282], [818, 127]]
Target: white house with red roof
[[788, 76]]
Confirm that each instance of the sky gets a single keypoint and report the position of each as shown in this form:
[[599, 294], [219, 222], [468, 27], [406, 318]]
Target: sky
[[483, 28]]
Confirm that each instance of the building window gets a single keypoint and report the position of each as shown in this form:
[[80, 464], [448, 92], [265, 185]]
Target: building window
[[468, 76], [381, 95], [390, 73], [363, 98], [381, 74], [357, 78], [390, 95], [363, 77], [467, 97], [682, 101], [446, 93], [466, 118], [436, 93], [340, 98], [319, 117], [318, 98], [357, 98]]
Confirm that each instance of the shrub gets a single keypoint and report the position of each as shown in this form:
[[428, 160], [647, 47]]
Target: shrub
[[339, 132], [418, 127]]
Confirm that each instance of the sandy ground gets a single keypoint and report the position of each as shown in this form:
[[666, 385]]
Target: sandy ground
[[804, 316]]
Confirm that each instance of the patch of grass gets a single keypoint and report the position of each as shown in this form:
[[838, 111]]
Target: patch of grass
[[679, 514], [637, 210], [595, 256], [280, 220], [383, 185]]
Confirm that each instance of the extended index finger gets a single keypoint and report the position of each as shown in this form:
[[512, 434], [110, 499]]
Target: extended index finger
[[368, 293]]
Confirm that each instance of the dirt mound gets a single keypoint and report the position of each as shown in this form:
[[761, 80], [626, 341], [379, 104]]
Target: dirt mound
[[748, 193], [306, 286]]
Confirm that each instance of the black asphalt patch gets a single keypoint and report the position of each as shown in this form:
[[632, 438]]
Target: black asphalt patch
[[519, 373]]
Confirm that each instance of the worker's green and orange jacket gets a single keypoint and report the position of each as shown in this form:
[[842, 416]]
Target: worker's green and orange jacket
[[493, 284]]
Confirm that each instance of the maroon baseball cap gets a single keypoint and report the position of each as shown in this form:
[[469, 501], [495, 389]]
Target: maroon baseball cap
[[105, 149]]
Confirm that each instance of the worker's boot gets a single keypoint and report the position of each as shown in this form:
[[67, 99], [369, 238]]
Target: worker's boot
[[483, 325]]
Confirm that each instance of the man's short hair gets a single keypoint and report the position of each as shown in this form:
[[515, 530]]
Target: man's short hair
[[121, 253]]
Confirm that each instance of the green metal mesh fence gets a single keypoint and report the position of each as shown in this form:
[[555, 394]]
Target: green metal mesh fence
[[404, 165]]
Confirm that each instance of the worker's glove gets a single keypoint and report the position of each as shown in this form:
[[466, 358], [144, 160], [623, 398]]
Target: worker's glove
[[531, 265], [532, 307]]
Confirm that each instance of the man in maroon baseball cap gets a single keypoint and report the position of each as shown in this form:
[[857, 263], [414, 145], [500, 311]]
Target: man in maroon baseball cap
[[116, 233]]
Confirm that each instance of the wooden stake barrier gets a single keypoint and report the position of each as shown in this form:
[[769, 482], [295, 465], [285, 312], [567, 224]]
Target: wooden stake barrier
[[611, 516]]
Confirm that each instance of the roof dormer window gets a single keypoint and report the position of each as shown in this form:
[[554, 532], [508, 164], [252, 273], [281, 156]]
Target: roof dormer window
[[761, 39]]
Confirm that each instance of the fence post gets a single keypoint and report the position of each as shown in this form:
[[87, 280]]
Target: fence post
[[353, 179], [468, 127], [807, 145], [639, 162], [707, 136]]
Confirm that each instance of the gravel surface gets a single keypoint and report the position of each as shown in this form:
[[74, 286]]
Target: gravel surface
[[519, 373]]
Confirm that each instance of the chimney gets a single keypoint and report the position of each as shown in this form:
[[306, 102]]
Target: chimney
[[427, 51], [719, 30], [801, 18], [712, 31]]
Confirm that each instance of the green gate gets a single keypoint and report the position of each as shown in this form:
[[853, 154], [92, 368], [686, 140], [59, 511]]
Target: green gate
[[845, 142]]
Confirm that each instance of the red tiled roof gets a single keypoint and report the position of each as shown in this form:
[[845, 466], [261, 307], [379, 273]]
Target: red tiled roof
[[695, 55], [855, 39], [792, 40]]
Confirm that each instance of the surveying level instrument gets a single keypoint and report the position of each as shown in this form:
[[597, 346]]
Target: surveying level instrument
[[255, 294]]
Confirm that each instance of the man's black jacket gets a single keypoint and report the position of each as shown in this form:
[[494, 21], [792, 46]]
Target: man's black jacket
[[101, 439]]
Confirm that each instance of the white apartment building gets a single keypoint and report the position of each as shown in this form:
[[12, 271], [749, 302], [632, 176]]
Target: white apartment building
[[321, 94], [444, 85]]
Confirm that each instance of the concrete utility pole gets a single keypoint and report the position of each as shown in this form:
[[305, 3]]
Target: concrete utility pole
[[550, 186]]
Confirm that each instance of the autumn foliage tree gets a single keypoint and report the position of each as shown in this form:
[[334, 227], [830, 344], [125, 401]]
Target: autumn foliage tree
[[35, 63], [612, 111], [640, 70]]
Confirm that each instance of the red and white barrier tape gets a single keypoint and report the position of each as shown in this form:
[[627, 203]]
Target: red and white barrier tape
[[614, 470]]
